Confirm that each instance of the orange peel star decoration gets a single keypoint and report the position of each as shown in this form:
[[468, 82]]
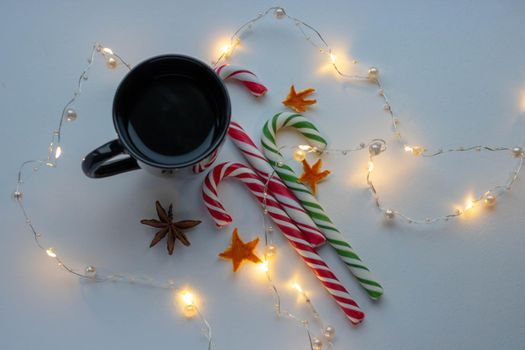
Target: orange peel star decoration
[[296, 100], [312, 174], [239, 251]]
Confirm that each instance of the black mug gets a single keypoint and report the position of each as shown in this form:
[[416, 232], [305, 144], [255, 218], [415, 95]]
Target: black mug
[[170, 112]]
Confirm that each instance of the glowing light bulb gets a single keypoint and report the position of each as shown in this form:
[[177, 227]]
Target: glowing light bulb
[[51, 252], [107, 51], [304, 147], [226, 50], [370, 166], [299, 155], [188, 298], [264, 267], [297, 287], [58, 152], [415, 150], [418, 150], [188, 301], [333, 57], [469, 204]]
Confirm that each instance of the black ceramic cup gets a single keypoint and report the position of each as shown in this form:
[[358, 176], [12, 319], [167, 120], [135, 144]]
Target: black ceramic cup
[[170, 112]]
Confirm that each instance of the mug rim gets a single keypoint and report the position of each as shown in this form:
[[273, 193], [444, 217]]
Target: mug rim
[[219, 139]]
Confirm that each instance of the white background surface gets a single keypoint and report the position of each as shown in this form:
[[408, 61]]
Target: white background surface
[[456, 75]]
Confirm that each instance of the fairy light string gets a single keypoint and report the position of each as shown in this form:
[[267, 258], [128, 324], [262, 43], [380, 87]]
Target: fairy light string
[[375, 148], [486, 199], [316, 39]]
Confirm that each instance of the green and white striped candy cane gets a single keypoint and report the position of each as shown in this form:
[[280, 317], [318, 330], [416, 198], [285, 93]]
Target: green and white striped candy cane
[[308, 201]]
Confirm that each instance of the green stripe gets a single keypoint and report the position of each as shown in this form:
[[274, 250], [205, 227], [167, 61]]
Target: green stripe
[[323, 227], [268, 134], [369, 282], [361, 267], [305, 124], [265, 145], [290, 117], [313, 205], [302, 190], [285, 177], [346, 253], [274, 123], [374, 294], [314, 137], [317, 216], [338, 242]]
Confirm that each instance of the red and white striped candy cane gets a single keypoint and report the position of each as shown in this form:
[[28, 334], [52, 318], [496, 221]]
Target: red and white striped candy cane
[[276, 187], [285, 224], [244, 76]]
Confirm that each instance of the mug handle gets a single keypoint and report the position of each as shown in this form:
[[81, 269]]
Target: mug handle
[[98, 163]]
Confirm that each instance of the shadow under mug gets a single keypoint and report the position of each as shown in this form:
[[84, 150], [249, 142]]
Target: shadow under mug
[[170, 112]]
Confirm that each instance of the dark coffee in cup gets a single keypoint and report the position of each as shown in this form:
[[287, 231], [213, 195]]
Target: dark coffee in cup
[[170, 112]]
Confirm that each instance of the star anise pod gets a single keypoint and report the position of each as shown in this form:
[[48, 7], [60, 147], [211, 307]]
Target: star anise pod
[[174, 230]]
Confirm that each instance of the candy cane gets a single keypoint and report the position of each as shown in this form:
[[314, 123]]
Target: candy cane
[[275, 185], [309, 202], [205, 163], [244, 76], [285, 224]]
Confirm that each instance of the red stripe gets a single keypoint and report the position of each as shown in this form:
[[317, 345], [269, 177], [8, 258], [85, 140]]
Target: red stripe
[[208, 182], [216, 215], [315, 229], [285, 205], [211, 201], [254, 87], [240, 135], [346, 301], [235, 72], [255, 155], [234, 123], [218, 70]]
